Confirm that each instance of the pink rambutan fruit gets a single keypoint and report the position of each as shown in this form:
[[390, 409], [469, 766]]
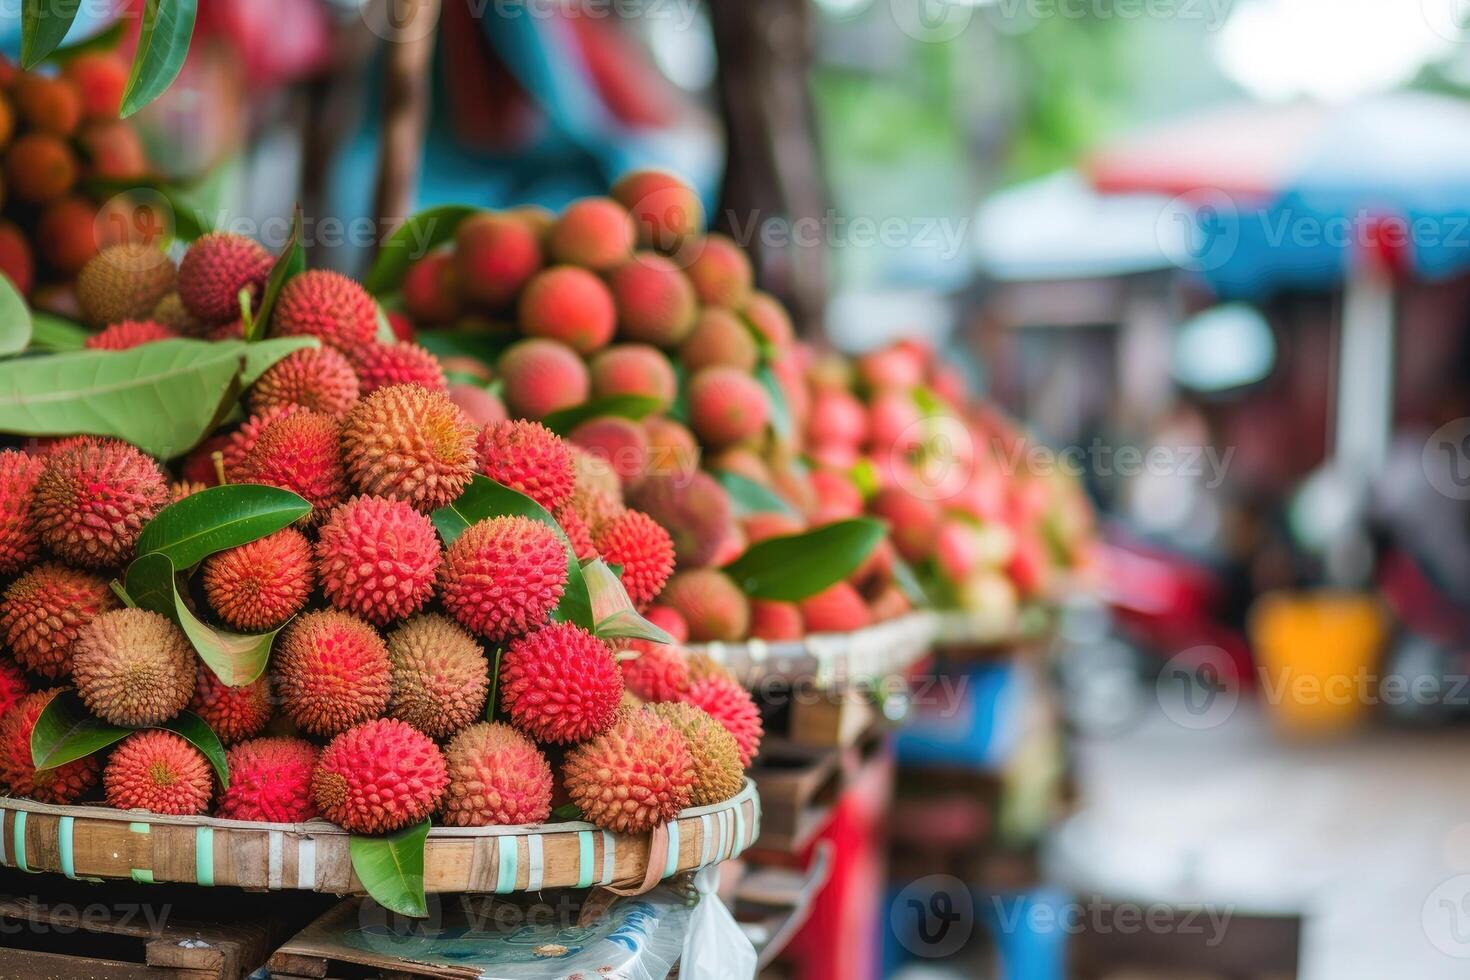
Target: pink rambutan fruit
[[711, 603], [542, 376], [259, 585], [497, 777], [381, 365], [378, 777], [19, 545], [315, 378], [92, 500], [331, 672], [377, 558], [128, 334], [301, 453], [215, 269], [660, 672], [560, 684], [329, 306], [503, 576], [270, 781], [528, 457], [645, 551]]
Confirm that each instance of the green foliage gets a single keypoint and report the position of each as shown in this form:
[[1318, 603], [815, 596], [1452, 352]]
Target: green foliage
[[218, 518], [612, 611], [163, 43], [15, 319], [796, 566], [412, 240], [623, 406], [391, 868]]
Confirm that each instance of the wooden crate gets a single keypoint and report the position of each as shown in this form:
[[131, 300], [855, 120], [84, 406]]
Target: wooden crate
[[799, 784]]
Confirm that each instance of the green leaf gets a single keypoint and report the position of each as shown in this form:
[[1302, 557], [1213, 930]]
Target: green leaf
[[260, 355], [106, 39], [479, 345], [391, 868], [287, 264], [237, 659], [412, 240], [54, 333], [43, 26], [190, 220], [908, 583], [795, 566], [624, 406], [196, 732], [781, 422], [163, 44], [385, 333], [749, 497], [66, 731], [612, 611], [15, 319], [212, 520], [568, 811], [483, 499]]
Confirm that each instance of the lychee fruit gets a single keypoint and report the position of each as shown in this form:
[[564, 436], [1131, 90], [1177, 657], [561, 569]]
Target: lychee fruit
[[720, 271], [133, 667], [381, 365], [429, 294], [659, 672], [568, 304], [503, 576], [216, 268], [579, 535], [51, 105], [326, 305], [901, 368], [377, 558], [270, 781], [234, 447], [769, 318], [837, 417], [495, 255], [301, 453], [634, 777], [160, 772], [836, 609], [18, 773], [40, 168], [645, 551], [764, 525], [378, 777], [331, 672], [45, 609], [235, 713], [93, 499], [101, 78], [775, 621], [595, 232], [655, 301], [726, 405], [672, 449], [913, 521], [560, 684], [66, 234], [483, 407], [665, 210], [113, 149], [621, 442], [718, 774], [634, 369], [261, 584], [440, 675], [711, 603], [528, 457], [19, 545], [541, 377], [124, 282], [128, 334], [17, 262], [720, 338], [837, 496], [407, 443], [732, 706], [694, 509], [316, 378], [497, 777]]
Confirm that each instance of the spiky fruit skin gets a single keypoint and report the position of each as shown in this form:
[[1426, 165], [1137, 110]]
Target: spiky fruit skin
[[235, 713], [695, 510], [595, 233], [621, 442], [407, 443], [644, 550], [727, 406], [238, 444], [542, 376], [326, 305], [634, 777], [317, 378], [133, 667], [718, 774], [93, 499], [429, 294], [101, 78], [128, 334], [720, 271], [659, 673], [301, 453], [215, 269], [598, 494], [570, 305], [495, 255], [124, 282], [160, 772], [270, 781], [261, 584], [40, 169], [13, 686], [732, 706], [440, 676], [712, 605], [331, 672], [560, 684], [378, 777], [503, 576], [655, 301], [579, 535], [51, 105], [377, 558], [66, 234], [836, 609], [19, 545], [776, 621], [18, 774], [665, 210], [45, 609], [497, 777], [719, 339], [528, 457], [634, 369], [381, 365]]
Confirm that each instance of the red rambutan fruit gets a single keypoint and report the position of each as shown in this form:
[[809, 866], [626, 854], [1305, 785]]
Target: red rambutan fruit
[[440, 675], [732, 706], [528, 457], [836, 609], [632, 778], [560, 684], [621, 443], [694, 509], [316, 378], [913, 521], [18, 543], [133, 667], [101, 78], [381, 365], [497, 777], [377, 558], [568, 304], [234, 447], [331, 672], [668, 620], [215, 269], [503, 576], [18, 772], [13, 686], [595, 233], [643, 549], [378, 777], [712, 605], [407, 443], [577, 532], [235, 713], [326, 305], [129, 334], [655, 301], [160, 772], [92, 500], [429, 294], [300, 452], [270, 781], [261, 584], [542, 376], [45, 609], [660, 672]]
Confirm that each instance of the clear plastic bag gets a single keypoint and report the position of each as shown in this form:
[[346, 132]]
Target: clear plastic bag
[[715, 947]]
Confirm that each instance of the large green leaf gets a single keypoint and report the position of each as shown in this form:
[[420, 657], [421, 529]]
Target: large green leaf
[[163, 44], [67, 731], [410, 241], [749, 497], [612, 611], [106, 39], [43, 26], [483, 499], [237, 659], [54, 333], [391, 868], [15, 319], [196, 732], [212, 520], [625, 406], [795, 566], [290, 262]]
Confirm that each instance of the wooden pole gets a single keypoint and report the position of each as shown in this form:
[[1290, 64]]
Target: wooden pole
[[410, 32]]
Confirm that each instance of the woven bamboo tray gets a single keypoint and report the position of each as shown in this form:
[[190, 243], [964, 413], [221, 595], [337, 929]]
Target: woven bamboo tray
[[828, 660], [94, 842]]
